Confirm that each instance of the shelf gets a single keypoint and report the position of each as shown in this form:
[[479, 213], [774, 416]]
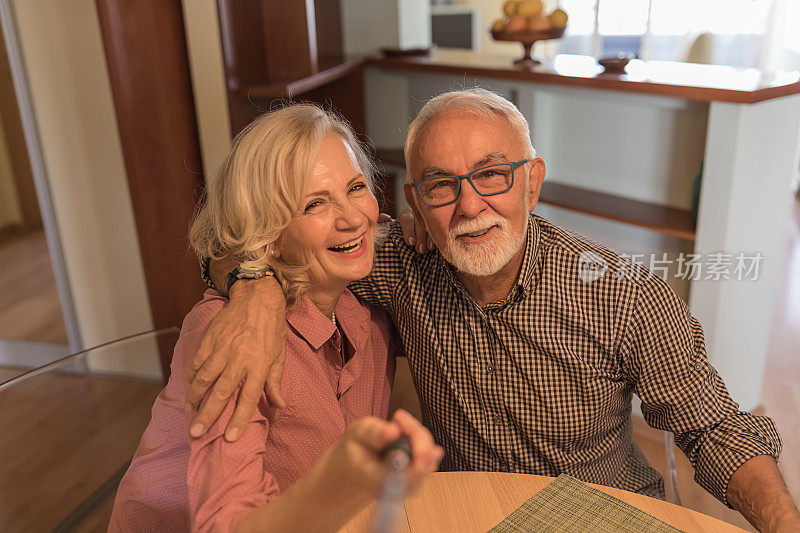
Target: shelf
[[688, 81], [655, 217], [294, 88]]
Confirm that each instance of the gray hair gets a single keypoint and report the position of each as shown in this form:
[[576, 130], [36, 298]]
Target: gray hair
[[475, 101]]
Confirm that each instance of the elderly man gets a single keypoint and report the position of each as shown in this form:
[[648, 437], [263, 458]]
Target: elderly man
[[522, 363]]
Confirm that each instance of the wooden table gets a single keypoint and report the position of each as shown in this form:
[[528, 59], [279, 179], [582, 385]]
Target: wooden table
[[477, 501]]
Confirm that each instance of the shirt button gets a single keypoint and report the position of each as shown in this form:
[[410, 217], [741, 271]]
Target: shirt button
[[698, 366], [490, 368], [498, 419], [504, 466]]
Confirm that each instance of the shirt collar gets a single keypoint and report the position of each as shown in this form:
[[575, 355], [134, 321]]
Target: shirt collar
[[316, 328], [530, 259]]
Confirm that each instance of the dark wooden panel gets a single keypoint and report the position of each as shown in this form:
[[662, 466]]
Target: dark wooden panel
[[148, 65], [391, 156], [242, 31], [341, 89], [298, 87], [386, 192], [289, 39], [345, 96], [243, 110], [329, 33]]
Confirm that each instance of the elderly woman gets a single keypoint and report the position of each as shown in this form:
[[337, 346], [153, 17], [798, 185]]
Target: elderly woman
[[295, 195]]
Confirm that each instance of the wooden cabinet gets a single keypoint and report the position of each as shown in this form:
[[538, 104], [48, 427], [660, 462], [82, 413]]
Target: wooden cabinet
[[287, 49], [291, 50]]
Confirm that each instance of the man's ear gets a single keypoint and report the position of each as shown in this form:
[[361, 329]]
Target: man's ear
[[535, 179], [411, 198]]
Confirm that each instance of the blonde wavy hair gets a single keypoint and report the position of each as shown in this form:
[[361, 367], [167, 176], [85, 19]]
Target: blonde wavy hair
[[259, 188]]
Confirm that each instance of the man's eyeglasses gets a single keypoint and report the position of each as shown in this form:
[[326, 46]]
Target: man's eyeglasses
[[487, 181]]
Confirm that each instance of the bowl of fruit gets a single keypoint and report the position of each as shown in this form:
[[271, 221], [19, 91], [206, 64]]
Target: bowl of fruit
[[524, 21]]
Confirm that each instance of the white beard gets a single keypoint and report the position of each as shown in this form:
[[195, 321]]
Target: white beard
[[487, 258]]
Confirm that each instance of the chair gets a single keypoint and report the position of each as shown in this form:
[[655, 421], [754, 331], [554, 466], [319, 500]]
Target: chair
[[70, 429], [701, 48]]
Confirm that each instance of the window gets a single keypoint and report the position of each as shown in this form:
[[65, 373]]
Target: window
[[791, 25], [666, 29]]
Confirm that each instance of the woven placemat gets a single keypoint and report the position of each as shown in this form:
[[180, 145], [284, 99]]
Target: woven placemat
[[569, 505]]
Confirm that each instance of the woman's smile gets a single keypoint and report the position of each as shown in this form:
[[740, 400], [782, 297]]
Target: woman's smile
[[351, 249]]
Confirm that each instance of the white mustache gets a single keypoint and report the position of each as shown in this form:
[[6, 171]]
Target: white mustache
[[478, 224]]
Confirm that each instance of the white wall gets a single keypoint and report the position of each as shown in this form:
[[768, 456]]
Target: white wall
[[370, 25], [414, 19], [782, 44], [63, 56]]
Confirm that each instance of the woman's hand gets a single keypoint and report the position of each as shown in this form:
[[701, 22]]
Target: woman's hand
[[355, 459], [414, 232], [348, 476]]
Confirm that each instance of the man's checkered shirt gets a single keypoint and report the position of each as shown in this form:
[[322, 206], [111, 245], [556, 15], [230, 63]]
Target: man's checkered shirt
[[541, 382]]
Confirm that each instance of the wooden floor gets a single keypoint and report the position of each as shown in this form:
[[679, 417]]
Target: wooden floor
[[31, 310], [63, 436], [6, 373]]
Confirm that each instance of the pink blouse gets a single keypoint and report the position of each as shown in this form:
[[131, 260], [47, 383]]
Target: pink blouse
[[176, 483]]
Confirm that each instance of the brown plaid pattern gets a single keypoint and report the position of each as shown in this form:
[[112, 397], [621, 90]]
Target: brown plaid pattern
[[566, 505], [541, 383]]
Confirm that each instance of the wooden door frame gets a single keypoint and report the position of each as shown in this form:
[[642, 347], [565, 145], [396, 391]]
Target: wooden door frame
[[148, 64]]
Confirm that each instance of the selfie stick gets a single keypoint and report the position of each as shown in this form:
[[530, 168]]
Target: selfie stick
[[397, 457]]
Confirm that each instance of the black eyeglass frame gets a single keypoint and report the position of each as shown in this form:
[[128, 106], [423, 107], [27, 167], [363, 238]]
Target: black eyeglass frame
[[468, 176]]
